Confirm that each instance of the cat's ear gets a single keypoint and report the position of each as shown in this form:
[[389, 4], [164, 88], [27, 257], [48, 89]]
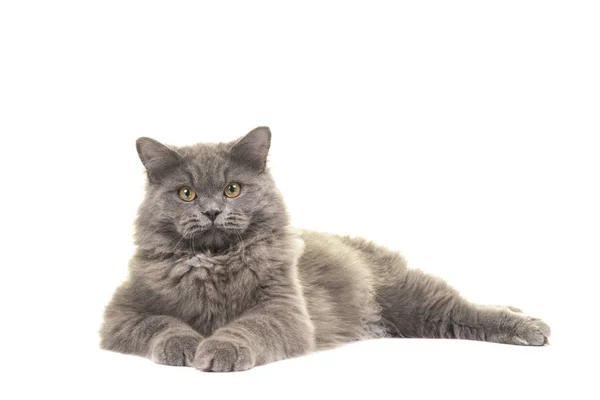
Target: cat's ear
[[252, 149], [156, 157]]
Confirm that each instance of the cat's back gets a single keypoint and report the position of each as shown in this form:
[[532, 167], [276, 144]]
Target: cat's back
[[328, 255]]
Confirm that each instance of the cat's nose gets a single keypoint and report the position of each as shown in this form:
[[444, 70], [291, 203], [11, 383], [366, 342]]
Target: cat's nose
[[212, 214]]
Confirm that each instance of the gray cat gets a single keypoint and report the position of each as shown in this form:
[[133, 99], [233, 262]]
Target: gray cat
[[220, 282]]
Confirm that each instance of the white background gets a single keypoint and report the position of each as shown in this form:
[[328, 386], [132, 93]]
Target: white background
[[464, 134]]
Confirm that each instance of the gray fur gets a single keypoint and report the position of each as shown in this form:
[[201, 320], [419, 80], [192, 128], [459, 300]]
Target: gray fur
[[250, 290]]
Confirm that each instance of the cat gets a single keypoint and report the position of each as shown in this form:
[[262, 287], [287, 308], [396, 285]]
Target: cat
[[221, 282]]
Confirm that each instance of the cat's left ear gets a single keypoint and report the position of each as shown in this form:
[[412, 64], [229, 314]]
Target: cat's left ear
[[252, 149]]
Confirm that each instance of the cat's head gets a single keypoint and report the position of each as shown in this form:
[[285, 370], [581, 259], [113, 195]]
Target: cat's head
[[208, 196]]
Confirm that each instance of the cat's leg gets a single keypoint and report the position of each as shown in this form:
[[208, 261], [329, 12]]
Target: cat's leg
[[163, 339], [420, 305], [276, 329]]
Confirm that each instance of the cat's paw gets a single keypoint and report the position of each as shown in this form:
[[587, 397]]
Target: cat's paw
[[175, 349], [218, 355], [531, 331]]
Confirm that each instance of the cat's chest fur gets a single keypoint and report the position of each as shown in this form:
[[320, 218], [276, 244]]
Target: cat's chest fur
[[206, 292]]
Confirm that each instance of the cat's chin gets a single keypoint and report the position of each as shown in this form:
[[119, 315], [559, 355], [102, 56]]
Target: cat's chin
[[215, 240]]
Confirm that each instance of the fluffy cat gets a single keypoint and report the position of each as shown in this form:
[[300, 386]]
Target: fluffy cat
[[220, 282]]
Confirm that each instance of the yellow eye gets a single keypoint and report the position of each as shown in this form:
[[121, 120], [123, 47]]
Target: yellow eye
[[187, 194], [233, 190]]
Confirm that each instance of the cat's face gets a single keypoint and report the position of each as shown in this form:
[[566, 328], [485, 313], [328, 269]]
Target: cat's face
[[207, 196]]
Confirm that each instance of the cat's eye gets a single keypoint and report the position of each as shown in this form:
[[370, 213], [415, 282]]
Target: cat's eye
[[233, 190], [187, 194]]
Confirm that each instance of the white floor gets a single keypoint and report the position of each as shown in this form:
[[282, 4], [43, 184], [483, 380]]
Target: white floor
[[389, 368]]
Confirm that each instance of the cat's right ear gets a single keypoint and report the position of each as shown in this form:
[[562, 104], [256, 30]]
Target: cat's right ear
[[157, 158]]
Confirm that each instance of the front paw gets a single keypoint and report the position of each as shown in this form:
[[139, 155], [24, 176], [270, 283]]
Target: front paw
[[218, 355], [175, 349]]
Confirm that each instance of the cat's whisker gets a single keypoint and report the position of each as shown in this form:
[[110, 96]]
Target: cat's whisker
[[141, 241], [165, 252], [241, 240], [180, 240], [193, 244], [263, 232]]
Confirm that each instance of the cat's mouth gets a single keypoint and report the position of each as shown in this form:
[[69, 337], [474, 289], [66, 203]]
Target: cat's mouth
[[211, 238], [206, 230], [196, 228]]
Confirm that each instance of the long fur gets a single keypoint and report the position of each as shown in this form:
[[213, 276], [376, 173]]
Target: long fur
[[248, 289]]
